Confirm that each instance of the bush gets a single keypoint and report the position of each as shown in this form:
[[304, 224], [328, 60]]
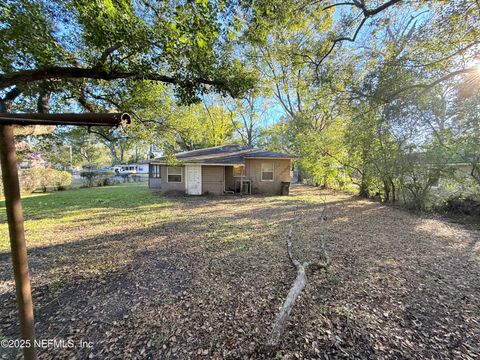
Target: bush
[[63, 179], [28, 180], [110, 180], [89, 177], [465, 206], [41, 179], [97, 178]]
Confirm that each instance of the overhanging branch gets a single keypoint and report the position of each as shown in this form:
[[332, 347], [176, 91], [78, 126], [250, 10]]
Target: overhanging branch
[[58, 72], [426, 87], [367, 13]]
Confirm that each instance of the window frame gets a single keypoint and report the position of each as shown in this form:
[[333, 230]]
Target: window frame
[[168, 174], [262, 172]]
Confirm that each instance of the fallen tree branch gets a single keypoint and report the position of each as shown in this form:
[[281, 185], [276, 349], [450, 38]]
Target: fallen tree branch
[[299, 283]]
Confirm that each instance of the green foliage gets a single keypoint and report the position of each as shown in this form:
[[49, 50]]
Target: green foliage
[[186, 44], [92, 177], [197, 126], [171, 160], [43, 179], [388, 110], [63, 179], [72, 146]]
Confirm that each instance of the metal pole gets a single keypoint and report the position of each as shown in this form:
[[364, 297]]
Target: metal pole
[[86, 119], [13, 205]]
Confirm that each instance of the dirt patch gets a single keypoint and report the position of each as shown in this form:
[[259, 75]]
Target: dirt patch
[[207, 281]]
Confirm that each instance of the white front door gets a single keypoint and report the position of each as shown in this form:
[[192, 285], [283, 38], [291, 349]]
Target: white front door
[[193, 179]]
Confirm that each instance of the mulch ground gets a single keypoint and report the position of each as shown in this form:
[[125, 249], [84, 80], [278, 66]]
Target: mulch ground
[[208, 280]]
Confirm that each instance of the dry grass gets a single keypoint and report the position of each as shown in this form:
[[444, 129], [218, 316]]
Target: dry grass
[[203, 277]]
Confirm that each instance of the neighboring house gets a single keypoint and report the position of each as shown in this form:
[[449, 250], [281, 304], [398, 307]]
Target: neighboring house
[[136, 168], [220, 169]]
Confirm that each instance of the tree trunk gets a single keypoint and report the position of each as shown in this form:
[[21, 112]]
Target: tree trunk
[[394, 197], [363, 191], [386, 191]]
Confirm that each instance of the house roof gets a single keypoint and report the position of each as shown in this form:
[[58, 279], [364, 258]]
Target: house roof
[[225, 155]]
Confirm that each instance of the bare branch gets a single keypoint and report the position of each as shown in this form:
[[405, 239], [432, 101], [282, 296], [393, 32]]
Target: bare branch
[[338, 4], [432, 84], [367, 13], [299, 283], [336, 41]]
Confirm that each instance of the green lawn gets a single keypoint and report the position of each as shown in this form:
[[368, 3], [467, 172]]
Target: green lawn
[[54, 217]]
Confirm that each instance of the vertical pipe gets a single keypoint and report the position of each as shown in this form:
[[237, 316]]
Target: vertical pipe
[[241, 184], [13, 205]]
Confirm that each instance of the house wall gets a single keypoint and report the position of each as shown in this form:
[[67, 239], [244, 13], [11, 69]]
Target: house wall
[[213, 180], [217, 178], [164, 185], [154, 183], [281, 172]]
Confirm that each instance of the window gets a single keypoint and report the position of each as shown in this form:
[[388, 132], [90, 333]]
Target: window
[[174, 174], [155, 171], [267, 171], [238, 170]]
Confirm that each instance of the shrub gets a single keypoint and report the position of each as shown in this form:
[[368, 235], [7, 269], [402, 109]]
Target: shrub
[[41, 179], [97, 178], [28, 181], [466, 206], [110, 180], [63, 179], [89, 177]]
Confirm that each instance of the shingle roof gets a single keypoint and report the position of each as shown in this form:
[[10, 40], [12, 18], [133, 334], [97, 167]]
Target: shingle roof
[[225, 154]]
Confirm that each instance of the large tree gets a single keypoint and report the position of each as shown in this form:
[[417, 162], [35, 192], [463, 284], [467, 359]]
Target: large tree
[[63, 45]]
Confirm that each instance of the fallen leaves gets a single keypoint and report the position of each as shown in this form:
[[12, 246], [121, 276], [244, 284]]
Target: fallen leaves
[[400, 285]]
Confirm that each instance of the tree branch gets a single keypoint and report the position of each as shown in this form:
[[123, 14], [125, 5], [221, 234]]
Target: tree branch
[[298, 285], [367, 13], [430, 85], [57, 72], [43, 102], [336, 41], [107, 53], [7, 100]]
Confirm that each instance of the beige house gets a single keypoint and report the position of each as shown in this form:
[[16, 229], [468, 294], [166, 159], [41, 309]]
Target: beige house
[[222, 169]]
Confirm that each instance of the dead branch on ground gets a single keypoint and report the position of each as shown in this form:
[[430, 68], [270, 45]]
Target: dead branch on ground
[[300, 280]]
